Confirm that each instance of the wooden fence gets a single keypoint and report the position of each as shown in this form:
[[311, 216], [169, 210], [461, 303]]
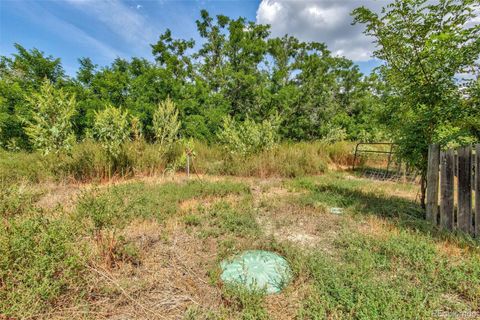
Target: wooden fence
[[453, 184]]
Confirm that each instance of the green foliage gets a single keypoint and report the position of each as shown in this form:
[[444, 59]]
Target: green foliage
[[166, 124], [334, 134], [112, 129], [49, 127], [39, 262], [20, 76], [248, 137], [136, 128], [238, 70], [425, 46]]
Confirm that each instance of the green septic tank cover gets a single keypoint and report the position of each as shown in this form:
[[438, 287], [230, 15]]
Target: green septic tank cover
[[257, 269]]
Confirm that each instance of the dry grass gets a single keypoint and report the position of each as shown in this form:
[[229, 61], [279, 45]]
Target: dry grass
[[169, 280], [177, 272], [376, 227]]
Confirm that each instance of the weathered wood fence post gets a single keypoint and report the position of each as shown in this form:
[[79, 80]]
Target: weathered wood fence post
[[464, 213], [446, 190], [432, 182], [442, 168]]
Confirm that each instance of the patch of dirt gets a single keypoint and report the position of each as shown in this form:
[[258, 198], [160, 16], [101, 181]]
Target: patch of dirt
[[304, 226], [306, 229]]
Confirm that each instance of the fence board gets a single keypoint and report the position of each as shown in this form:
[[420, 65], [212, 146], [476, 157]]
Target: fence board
[[432, 182], [477, 191], [464, 214], [446, 189]]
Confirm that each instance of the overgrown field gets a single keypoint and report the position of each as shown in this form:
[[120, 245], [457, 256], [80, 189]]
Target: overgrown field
[[88, 162], [150, 248]]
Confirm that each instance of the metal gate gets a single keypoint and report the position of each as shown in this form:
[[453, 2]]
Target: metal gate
[[379, 160]]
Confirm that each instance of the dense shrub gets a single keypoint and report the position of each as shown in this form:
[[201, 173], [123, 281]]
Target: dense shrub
[[16, 199], [166, 124], [50, 128], [111, 129], [248, 137], [286, 160], [18, 166]]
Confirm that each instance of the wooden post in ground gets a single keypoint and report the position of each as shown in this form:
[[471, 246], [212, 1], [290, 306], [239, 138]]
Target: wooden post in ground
[[464, 213], [432, 182], [446, 189], [477, 191]]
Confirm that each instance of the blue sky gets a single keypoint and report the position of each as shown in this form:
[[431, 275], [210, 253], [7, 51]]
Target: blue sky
[[103, 30]]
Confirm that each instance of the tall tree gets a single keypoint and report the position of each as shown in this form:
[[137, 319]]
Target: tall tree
[[20, 77], [424, 46]]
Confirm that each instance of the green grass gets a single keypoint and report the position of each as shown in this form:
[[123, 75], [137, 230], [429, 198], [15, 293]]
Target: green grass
[[400, 277], [383, 261], [40, 262], [116, 206], [44, 255], [223, 219], [402, 274]]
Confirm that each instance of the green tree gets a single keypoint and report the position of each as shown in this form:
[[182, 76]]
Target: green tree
[[20, 76], [424, 46], [238, 70], [49, 127], [32, 66]]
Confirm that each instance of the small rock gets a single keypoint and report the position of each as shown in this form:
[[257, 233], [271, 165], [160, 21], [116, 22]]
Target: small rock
[[336, 210]]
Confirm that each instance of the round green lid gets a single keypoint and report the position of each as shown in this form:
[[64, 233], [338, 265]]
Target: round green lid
[[257, 269]]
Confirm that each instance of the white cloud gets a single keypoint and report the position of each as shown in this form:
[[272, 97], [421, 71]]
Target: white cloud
[[124, 21], [327, 21]]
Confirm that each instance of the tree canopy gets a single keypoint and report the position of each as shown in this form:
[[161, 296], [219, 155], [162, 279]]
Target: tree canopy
[[240, 71]]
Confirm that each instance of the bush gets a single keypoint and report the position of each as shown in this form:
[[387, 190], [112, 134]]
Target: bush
[[50, 128], [166, 123], [111, 129], [334, 133], [248, 137]]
